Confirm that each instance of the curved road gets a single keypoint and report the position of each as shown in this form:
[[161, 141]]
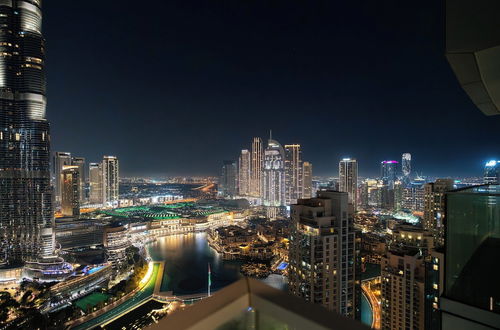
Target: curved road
[[140, 297]]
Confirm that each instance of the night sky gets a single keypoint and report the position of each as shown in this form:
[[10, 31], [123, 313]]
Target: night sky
[[174, 87]]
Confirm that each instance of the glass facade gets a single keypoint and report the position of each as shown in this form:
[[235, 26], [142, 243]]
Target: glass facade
[[25, 192], [473, 246]]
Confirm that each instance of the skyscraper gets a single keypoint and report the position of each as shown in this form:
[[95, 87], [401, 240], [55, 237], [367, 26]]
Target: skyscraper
[[388, 171], [228, 184], [348, 179], [256, 167], [273, 178], [96, 183], [26, 218], [60, 160], [492, 172], [80, 163], [244, 173], [434, 208], [70, 189], [293, 174], [403, 277], [307, 178], [322, 252], [111, 179], [406, 168]]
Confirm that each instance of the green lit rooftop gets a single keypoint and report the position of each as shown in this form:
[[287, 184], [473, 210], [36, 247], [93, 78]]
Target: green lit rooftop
[[164, 211]]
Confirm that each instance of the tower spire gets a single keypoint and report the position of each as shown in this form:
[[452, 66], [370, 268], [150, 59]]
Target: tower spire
[[270, 134]]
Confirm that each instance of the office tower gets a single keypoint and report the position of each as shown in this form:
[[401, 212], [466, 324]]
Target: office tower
[[398, 195], [293, 174], [434, 207], [492, 172], [228, 182], [388, 169], [402, 294], [80, 163], [256, 167], [406, 168], [273, 178], [348, 179], [96, 183], [320, 239], [471, 295], [244, 173], [413, 195], [60, 160], [26, 218], [110, 179], [70, 190], [307, 180], [322, 252]]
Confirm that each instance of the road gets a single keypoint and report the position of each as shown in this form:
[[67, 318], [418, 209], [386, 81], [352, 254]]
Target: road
[[139, 297], [376, 323]]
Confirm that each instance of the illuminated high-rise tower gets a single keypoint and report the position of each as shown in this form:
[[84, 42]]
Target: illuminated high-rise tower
[[388, 169], [307, 178], [111, 179], [256, 167], [26, 218], [70, 188], [79, 162], [492, 172], [228, 183], [244, 173], [293, 174], [95, 183], [273, 178], [348, 179], [59, 160], [406, 168]]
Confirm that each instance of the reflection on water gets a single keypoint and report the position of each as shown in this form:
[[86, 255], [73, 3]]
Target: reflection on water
[[186, 265]]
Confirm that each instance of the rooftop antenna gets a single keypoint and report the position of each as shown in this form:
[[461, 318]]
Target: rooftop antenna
[[270, 134]]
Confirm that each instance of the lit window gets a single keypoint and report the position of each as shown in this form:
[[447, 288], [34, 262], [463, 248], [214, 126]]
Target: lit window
[[435, 286], [435, 267]]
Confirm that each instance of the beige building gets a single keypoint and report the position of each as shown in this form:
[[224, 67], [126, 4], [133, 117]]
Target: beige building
[[348, 179], [434, 208], [403, 278]]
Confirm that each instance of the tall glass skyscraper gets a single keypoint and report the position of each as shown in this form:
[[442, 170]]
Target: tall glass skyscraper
[[406, 168], [348, 179], [492, 172], [388, 169], [25, 194]]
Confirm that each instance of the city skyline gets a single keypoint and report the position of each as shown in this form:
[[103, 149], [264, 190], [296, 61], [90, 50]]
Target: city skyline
[[280, 91]]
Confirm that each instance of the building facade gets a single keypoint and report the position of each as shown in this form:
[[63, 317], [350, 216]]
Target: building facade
[[70, 191], [228, 184], [110, 179], [273, 178], [402, 299], [26, 218], [256, 167], [434, 207], [244, 173], [406, 168], [59, 160], [96, 195], [348, 179], [307, 180], [492, 172], [80, 163], [322, 256], [294, 181]]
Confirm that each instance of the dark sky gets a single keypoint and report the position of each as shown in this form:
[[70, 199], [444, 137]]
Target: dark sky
[[174, 87]]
